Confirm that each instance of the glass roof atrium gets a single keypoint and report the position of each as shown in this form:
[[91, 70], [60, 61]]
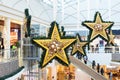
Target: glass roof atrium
[[68, 12]]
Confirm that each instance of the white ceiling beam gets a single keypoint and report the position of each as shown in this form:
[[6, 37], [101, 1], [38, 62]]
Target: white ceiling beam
[[18, 15]]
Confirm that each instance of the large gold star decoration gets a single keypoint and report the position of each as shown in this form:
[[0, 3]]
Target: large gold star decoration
[[98, 27], [79, 46], [111, 41], [54, 47]]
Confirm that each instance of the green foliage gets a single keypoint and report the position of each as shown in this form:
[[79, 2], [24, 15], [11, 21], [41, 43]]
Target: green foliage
[[44, 51], [27, 23], [17, 44], [90, 30], [49, 36], [62, 31]]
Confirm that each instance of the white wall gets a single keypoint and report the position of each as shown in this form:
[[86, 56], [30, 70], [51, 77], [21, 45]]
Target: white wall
[[102, 58]]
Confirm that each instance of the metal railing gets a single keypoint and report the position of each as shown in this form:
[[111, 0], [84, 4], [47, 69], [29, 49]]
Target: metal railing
[[88, 70], [8, 61], [8, 67], [8, 54], [108, 49]]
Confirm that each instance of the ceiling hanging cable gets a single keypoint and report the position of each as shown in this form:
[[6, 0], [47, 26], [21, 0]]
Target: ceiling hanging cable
[[88, 9], [109, 8], [28, 6], [27, 3], [63, 12], [54, 9], [78, 14]]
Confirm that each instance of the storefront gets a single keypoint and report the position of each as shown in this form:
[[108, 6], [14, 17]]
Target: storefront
[[14, 32], [62, 72]]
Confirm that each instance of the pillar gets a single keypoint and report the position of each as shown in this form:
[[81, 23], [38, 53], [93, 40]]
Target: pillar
[[6, 35], [20, 57], [54, 70], [20, 50]]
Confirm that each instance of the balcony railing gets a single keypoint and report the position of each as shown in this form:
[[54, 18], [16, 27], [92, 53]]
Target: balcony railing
[[111, 49], [8, 54], [8, 61]]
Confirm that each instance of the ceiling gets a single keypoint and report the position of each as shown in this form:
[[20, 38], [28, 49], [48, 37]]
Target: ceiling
[[68, 12]]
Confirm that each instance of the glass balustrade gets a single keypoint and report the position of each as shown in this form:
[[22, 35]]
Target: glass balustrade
[[8, 54]]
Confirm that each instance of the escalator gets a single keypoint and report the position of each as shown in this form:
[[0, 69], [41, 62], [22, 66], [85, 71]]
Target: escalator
[[86, 69]]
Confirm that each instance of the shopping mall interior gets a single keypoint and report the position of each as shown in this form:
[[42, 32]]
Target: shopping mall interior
[[59, 40]]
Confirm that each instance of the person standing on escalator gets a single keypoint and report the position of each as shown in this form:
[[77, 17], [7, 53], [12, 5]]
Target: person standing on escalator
[[93, 64], [85, 58], [102, 71], [98, 67]]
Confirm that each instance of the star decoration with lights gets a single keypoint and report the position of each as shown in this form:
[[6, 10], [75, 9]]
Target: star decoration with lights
[[111, 41], [79, 46], [55, 47], [98, 27]]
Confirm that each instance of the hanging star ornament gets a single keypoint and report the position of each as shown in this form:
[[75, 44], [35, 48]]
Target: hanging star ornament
[[111, 41], [79, 46], [55, 47], [98, 27]]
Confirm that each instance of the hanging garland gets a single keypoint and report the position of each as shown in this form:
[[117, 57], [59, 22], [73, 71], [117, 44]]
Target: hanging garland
[[111, 41], [79, 46], [54, 47], [98, 27], [27, 23], [62, 31]]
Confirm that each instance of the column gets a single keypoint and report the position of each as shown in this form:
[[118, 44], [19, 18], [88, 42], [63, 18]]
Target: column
[[20, 50], [47, 30], [54, 70], [6, 35]]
